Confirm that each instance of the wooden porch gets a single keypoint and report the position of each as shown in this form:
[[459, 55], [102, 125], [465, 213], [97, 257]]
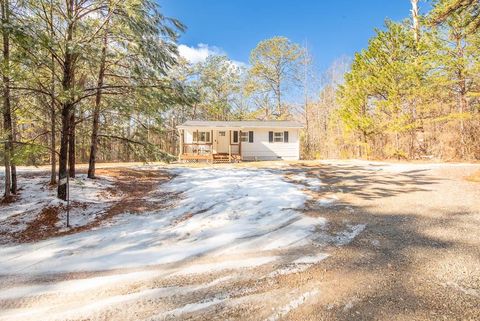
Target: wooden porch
[[210, 158], [208, 151]]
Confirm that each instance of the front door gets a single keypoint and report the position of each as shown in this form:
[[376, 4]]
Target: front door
[[222, 141]]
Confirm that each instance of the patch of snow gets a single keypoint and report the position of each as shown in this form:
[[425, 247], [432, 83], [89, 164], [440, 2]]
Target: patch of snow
[[219, 210], [91, 198], [292, 305], [189, 308], [299, 265], [340, 238], [54, 312], [467, 291], [73, 286], [348, 235], [327, 201], [348, 306], [225, 265], [312, 183], [47, 313]]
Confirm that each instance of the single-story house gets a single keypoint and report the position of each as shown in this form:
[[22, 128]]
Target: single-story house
[[226, 141]]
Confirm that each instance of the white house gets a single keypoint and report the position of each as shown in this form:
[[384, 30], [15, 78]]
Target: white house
[[222, 141]]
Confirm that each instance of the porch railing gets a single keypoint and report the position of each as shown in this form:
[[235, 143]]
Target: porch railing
[[197, 149]]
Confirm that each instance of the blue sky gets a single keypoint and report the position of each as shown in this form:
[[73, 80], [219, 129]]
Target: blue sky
[[331, 28]]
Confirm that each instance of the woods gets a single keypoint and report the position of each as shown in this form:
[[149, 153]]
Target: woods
[[87, 81], [413, 93], [66, 65]]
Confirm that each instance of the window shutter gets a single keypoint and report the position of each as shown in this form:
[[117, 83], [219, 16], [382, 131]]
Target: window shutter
[[285, 137], [270, 137], [235, 137], [250, 136]]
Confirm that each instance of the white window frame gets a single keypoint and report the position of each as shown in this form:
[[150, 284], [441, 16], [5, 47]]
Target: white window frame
[[197, 137], [232, 140], [244, 137], [278, 138]]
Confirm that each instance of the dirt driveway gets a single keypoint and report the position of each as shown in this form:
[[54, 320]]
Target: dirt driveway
[[418, 258], [392, 242]]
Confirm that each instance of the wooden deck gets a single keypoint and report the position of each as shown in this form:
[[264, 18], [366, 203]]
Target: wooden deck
[[195, 152], [213, 158]]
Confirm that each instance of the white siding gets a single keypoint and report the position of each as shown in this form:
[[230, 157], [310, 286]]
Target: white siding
[[262, 149], [189, 136]]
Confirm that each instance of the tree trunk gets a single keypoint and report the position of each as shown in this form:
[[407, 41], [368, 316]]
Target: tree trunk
[[415, 23], [67, 105], [13, 167], [71, 146], [279, 101], [53, 129], [462, 96], [7, 115], [96, 111], [62, 161]]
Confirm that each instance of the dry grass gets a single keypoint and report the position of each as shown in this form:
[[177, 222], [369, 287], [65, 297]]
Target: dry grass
[[248, 164], [475, 177]]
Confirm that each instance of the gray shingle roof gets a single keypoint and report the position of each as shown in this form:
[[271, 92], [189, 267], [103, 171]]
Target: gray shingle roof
[[242, 124]]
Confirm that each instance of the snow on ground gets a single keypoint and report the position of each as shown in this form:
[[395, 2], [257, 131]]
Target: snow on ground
[[327, 201], [89, 198], [249, 210], [224, 219], [295, 303], [312, 183], [341, 238], [299, 265]]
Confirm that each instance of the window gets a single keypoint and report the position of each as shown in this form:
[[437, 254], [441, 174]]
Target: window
[[250, 136], [235, 137], [201, 137], [222, 133], [244, 137], [278, 137]]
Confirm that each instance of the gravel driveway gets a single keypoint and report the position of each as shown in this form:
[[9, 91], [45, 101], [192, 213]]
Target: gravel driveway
[[418, 258], [372, 241]]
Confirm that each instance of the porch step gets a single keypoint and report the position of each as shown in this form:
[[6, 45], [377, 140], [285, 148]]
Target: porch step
[[215, 158], [224, 158]]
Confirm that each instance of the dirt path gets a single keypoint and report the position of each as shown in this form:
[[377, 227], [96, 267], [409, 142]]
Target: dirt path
[[414, 256]]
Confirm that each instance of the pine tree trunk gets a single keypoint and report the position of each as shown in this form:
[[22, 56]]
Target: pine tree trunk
[[67, 106], [62, 161], [71, 146], [53, 155], [13, 167], [462, 97], [7, 116], [96, 111], [53, 129]]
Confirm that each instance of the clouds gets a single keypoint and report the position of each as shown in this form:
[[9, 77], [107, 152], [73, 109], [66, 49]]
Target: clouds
[[202, 51]]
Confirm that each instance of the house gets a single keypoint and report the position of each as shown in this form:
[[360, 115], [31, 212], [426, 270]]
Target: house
[[226, 141]]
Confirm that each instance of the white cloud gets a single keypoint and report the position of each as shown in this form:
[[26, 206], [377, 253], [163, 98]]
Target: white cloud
[[202, 51]]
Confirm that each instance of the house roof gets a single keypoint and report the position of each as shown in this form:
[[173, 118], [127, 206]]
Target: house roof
[[241, 124]]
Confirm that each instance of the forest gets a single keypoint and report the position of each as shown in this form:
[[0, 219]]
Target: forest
[[87, 81]]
